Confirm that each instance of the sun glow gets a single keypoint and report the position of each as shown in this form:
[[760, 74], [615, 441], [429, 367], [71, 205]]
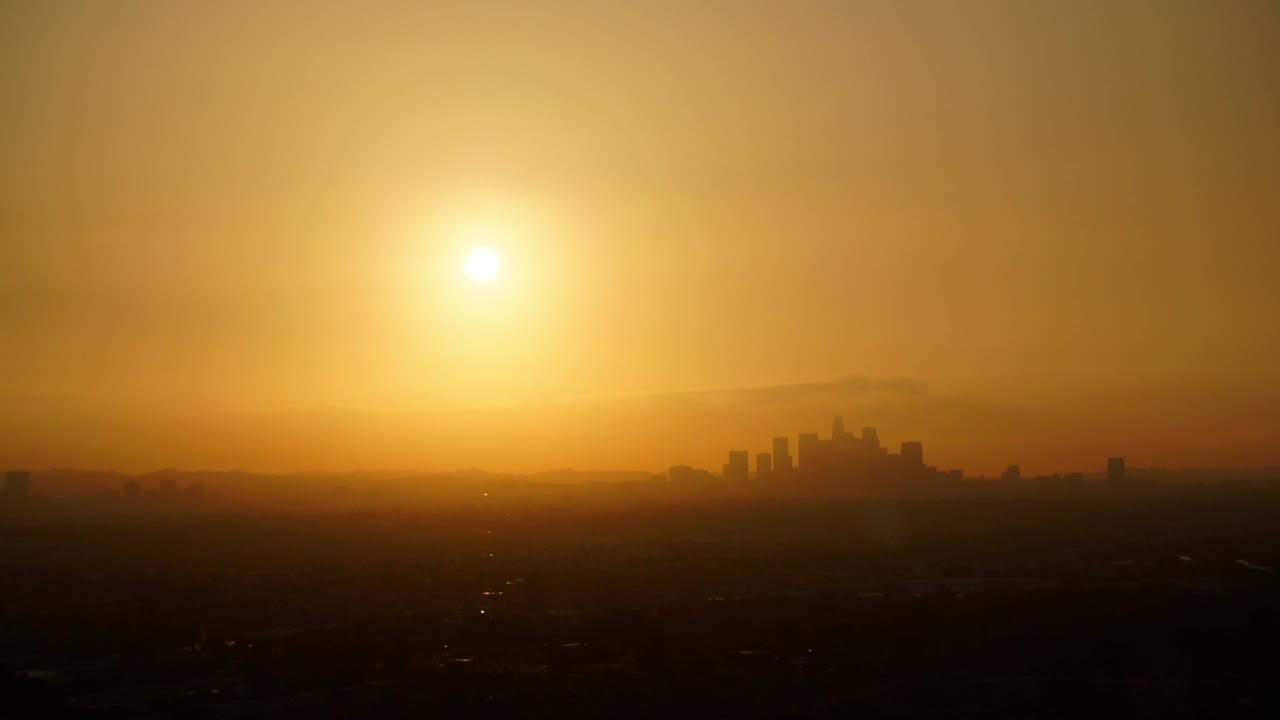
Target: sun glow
[[482, 265]]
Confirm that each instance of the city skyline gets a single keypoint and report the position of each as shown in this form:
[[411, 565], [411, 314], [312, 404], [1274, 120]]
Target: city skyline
[[843, 456], [635, 431]]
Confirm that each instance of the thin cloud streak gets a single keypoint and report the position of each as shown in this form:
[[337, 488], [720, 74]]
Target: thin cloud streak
[[845, 387]]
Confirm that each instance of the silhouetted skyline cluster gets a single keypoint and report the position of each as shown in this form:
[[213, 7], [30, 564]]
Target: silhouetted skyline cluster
[[860, 459], [842, 464]]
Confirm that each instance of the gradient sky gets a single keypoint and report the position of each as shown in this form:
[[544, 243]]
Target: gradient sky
[[231, 233]]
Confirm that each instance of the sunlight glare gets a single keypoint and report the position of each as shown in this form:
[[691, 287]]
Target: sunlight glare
[[482, 265]]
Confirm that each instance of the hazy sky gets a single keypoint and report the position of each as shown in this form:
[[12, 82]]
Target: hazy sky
[[231, 233]]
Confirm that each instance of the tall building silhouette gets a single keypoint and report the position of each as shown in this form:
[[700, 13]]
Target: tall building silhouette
[[738, 467], [807, 451], [17, 484], [1013, 474], [837, 427], [1115, 469], [781, 455], [869, 438], [764, 465], [912, 454]]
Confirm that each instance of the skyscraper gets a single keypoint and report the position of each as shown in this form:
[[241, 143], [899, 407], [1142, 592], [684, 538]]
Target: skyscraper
[[781, 455], [1115, 469], [837, 427], [870, 438], [764, 465], [807, 449], [738, 468], [912, 453]]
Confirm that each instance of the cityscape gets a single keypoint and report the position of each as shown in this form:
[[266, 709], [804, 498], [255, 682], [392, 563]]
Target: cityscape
[[846, 457], [578, 359], [844, 464], [823, 588]]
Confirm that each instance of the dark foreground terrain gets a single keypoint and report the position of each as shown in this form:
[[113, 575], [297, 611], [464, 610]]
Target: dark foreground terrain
[[1147, 607]]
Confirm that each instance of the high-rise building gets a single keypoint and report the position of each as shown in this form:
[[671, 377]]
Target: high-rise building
[[764, 465], [738, 468], [1013, 474], [1115, 469], [837, 427], [17, 485], [781, 455], [870, 438], [912, 453], [807, 450]]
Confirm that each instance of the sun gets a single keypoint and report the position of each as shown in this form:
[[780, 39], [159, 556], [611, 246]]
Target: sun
[[482, 265]]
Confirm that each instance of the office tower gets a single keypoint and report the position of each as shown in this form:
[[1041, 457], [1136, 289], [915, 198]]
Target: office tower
[[1115, 469], [764, 465], [807, 449], [869, 437], [837, 427], [17, 484], [738, 467], [1013, 474], [781, 455], [912, 453]]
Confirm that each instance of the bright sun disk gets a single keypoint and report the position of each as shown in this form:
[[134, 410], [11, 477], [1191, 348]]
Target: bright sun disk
[[482, 265]]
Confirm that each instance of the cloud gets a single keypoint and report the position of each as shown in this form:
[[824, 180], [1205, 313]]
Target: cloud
[[843, 389]]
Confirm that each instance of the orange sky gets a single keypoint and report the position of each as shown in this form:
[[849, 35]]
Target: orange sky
[[231, 233]]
